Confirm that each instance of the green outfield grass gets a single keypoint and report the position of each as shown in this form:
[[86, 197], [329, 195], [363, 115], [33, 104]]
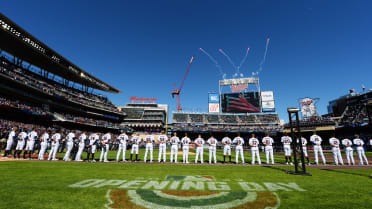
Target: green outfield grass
[[36, 184]]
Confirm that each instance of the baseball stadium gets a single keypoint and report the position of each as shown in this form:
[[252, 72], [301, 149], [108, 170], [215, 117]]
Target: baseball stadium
[[65, 143]]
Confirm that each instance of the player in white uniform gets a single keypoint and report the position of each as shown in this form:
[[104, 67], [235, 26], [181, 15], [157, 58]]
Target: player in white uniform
[[317, 140], [9, 142], [43, 144], [174, 140], [55, 144], [82, 139], [123, 139], [359, 143], [226, 141], [105, 147], [268, 142], [92, 146], [69, 144], [335, 143], [238, 148], [163, 139], [199, 142], [348, 150], [31, 137], [21, 143], [136, 141], [253, 142], [185, 148], [149, 140], [304, 148], [212, 142], [287, 140]]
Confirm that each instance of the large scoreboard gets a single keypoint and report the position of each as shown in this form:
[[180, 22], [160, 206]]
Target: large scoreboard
[[243, 102]]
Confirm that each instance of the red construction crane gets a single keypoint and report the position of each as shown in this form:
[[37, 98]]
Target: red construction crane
[[178, 91]]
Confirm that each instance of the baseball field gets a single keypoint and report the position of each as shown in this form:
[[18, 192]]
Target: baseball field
[[47, 184]]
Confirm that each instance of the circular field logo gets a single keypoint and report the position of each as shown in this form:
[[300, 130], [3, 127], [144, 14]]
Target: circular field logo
[[190, 199]]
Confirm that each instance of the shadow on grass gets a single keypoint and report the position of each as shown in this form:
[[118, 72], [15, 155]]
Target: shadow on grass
[[344, 172]]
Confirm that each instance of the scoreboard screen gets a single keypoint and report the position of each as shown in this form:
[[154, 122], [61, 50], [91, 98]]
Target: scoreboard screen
[[244, 102]]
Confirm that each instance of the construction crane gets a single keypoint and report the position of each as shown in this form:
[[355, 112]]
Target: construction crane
[[176, 91]]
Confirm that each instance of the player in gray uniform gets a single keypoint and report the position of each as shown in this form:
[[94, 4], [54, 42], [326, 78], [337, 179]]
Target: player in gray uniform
[[335, 143], [31, 137], [81, 145], [43, 145], [9, 142]]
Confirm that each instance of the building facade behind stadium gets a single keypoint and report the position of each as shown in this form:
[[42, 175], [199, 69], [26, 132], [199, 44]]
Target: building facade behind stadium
[[40, 86]]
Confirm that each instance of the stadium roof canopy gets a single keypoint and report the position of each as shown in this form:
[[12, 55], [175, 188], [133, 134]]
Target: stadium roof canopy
[[23, 45]]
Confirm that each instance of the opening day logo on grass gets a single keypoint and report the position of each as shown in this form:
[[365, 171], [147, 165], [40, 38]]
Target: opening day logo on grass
[[178, 191]]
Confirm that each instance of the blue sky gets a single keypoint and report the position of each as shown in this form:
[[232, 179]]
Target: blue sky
[[317, 49]]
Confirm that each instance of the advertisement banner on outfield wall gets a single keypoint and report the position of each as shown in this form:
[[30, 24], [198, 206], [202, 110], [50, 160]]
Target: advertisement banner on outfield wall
[[213, 98], [267, 100], [214, 107]]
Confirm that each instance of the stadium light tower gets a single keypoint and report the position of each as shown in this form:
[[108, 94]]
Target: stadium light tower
[[176, 91], [296, 135]]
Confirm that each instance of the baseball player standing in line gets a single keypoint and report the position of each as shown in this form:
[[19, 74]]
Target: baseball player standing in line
[[81, 145], [123, 139], [20, 143], [212, 142], [287, 140], [304, 149], [69, 145], [360, 149], [92, 146], [268, 142], [9, 142], [348, 150], [136, 141], [253, 142], [43, 144], [174, 140], [226, 141], [335, 143], [55, 144], [185, 148], [149, 146], [317, 140], [238, 148], [162, 146], [31, 137], [199, 142], [105, 147]]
